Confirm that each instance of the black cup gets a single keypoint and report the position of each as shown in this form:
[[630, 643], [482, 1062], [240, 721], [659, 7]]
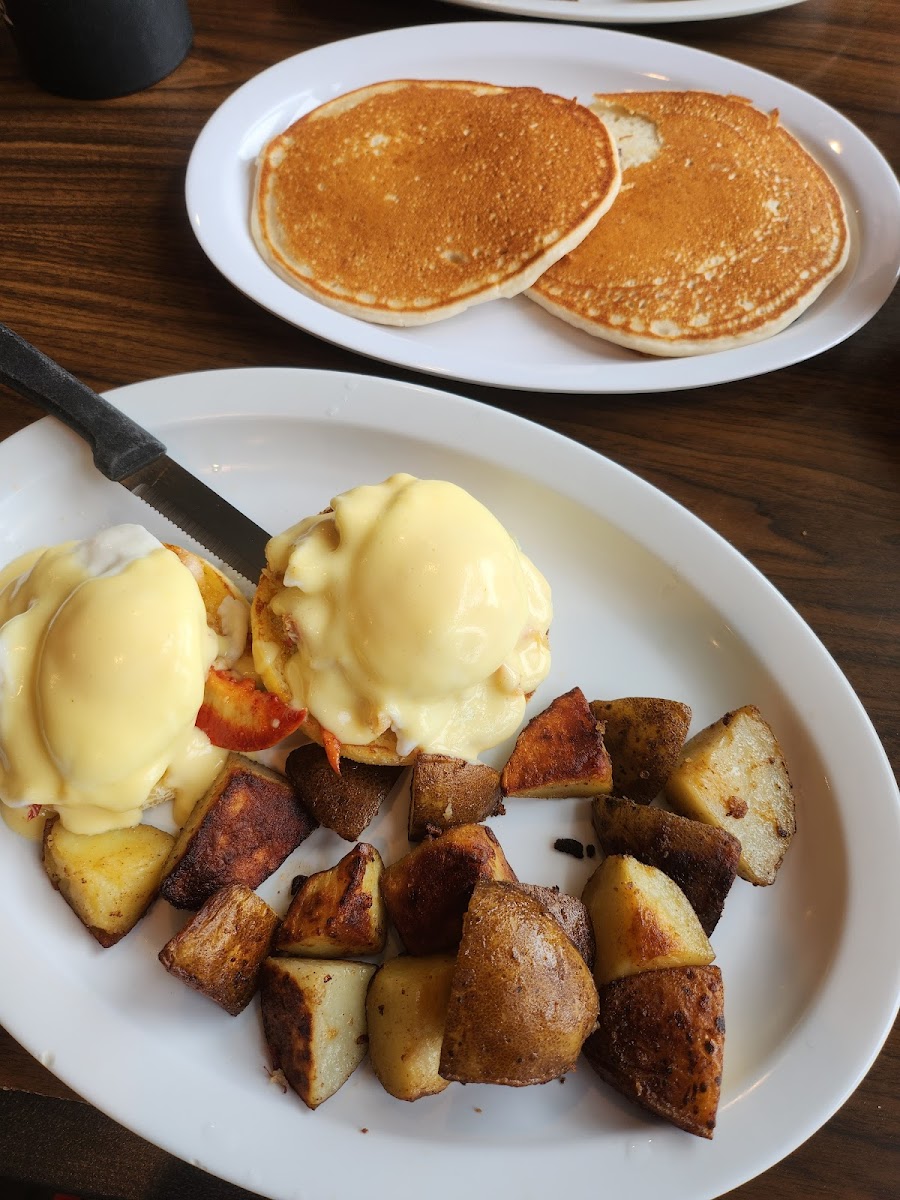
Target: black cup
[[96, 49]]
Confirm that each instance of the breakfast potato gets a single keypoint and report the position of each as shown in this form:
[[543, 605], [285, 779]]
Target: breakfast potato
[[660, 1041], [314, 1021], [642, 921], [450, 791], [571, 913], [522, 1000], [220, 950], [109, 880], [702, 859], [239, 832], [406, 1010], [338, 913], [733, 775], [644, 736], [345, 802], [560, 752], [428, 890]]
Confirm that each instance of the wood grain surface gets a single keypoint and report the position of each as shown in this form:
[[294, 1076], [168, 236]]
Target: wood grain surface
[[800, 469]]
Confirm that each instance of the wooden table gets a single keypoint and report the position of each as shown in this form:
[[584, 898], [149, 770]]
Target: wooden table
[[800, 469]]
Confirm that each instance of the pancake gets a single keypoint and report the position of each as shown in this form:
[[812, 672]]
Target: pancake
[[725, 229], [407, 201]]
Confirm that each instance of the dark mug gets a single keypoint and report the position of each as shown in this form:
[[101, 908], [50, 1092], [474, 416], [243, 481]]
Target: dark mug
[[96, 49]]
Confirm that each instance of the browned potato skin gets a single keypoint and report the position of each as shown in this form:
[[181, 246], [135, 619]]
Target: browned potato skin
[[109, 892], [450, 791], [660, 1041], [701, 859], [338, 913], [644, 736], [221, 948], [428, 890], [239, 832], [560, 752], [522, 1000], [571, 913], [346, 803]]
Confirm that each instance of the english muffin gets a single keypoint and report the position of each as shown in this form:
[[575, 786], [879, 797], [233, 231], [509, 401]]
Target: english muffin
[[407, 201], [725, 229]]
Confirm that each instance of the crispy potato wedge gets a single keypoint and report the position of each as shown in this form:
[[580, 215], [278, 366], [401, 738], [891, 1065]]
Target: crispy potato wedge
[[660, 1041], [522, 1000], [406, 1010], [239, 832], [560, 752], [314, 1021], [702, 859], [642, 921], [428, 890], [644, 736], [732, 774], [220, 950], [109, 880], [345, 803], [450, 791], [571, 913], [338, 913]]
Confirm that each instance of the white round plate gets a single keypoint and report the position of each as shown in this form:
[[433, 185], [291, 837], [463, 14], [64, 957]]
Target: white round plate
[[628, 12], [648, 601], [515, 343]]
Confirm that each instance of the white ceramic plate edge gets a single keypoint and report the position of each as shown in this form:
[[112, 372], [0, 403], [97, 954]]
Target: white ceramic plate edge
[[629, 12]]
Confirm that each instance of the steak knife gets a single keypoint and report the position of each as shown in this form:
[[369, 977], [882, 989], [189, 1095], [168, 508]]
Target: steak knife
[[128, 454]]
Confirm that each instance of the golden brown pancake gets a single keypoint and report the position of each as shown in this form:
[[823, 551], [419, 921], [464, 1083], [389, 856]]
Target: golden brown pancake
[[725, 229], [407, 201]]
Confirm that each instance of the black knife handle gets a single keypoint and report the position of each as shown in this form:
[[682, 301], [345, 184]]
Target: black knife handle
[[119, 444]]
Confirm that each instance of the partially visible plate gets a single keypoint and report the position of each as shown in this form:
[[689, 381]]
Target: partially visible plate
[[628, 12], [648, 601], [514, 343]]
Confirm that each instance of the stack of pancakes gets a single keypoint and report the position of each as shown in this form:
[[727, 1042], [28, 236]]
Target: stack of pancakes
[[670, 222]]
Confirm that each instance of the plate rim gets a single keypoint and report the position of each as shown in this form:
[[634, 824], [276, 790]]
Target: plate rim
[[146, 401], [875, 255], [640, 12]]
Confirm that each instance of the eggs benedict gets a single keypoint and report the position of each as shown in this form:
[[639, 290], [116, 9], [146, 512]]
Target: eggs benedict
[[104, 654], [403, 618]]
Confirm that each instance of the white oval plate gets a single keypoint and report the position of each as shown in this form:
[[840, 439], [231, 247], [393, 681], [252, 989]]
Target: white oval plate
[[628, 12], [515, 343], [648, 601]]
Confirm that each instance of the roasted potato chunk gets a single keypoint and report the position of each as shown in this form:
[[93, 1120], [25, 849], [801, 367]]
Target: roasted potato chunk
[[220, 950], [732, 774], [428, 890], [406, 1011], [109, 880], [702, 859], [644, 736], [239, 832], [660, 1041], [346, 803], [642, 921], [450, 791], [314, 1021], [522, 1000], [571, 914], [338, 913], [560, 752]]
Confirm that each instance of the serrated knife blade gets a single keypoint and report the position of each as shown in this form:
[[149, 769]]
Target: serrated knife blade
[[127, 454]]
